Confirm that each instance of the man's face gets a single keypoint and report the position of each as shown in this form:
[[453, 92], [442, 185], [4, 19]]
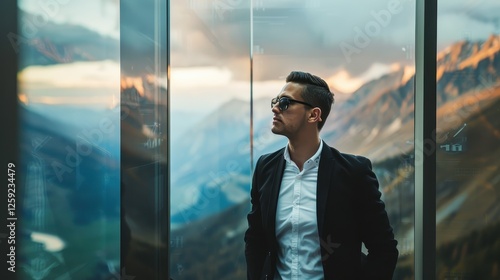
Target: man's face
[[291, 121]]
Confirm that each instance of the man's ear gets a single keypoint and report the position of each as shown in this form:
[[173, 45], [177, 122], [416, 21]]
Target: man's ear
[[315, 115]]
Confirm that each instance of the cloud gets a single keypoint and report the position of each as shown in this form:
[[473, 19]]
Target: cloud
[[467, 20], [347, 83], [94, 83], [287, 34], [101, 17], [49, 43], [96, 74], [197, 77]]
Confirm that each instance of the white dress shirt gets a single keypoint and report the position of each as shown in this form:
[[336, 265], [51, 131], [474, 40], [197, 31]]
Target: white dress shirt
[[299, 253]]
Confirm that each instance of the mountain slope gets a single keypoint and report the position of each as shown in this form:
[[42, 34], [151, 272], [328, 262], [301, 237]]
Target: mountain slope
[[381, 125]]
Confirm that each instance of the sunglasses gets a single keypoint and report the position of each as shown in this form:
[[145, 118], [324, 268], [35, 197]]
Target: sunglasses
[[284, 102]]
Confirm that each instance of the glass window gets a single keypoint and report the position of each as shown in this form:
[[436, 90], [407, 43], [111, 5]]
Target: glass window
[[369, 65], [125, 168], [69, 93], [468, 184], [210, 138], [144, 145], [367, 58]]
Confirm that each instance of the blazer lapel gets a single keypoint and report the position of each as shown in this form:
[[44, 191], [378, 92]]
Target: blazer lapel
[[324, 183], [274, 193]]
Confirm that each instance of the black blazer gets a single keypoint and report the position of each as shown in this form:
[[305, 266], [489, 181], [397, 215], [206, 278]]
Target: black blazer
[[349, 213]]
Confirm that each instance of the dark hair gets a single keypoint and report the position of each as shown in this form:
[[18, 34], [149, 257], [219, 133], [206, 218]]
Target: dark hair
[[316, 92]]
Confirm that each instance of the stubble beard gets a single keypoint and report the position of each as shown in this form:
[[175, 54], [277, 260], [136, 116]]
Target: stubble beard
[[278, 131]]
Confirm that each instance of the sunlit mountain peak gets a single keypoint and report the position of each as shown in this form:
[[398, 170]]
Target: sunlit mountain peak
[[466, 54], [409, 72], [486, 50]]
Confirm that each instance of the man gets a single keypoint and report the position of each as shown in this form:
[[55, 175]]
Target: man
[[312, 206]]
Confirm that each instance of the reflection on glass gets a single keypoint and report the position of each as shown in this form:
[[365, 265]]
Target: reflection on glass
[[69, 92], [143, 119], [210, 134], [467, 136]]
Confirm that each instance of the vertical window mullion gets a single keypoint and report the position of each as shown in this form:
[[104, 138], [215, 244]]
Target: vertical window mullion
[[425, 141]]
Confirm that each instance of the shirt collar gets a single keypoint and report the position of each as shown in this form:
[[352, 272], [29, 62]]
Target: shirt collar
[[314, 160]]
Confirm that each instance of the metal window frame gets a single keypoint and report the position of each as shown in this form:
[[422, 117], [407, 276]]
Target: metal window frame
[[10, 119], [425, 140]]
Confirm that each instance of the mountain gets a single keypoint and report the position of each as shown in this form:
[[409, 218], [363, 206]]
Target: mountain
[[466, 67], [209, 249], [382, 123], [214, 165], [69, 175], [53, 43], [373, 114]]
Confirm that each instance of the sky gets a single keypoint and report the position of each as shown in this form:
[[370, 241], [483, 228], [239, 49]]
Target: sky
[[101, 16], [211, 41]]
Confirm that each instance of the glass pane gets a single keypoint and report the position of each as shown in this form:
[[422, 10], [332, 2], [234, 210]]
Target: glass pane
[[468, 130], [70, 150], [365, 52], [210, 136], [144, 146]]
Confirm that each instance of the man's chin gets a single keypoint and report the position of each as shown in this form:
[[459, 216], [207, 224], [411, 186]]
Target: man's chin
[[276, 131]]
